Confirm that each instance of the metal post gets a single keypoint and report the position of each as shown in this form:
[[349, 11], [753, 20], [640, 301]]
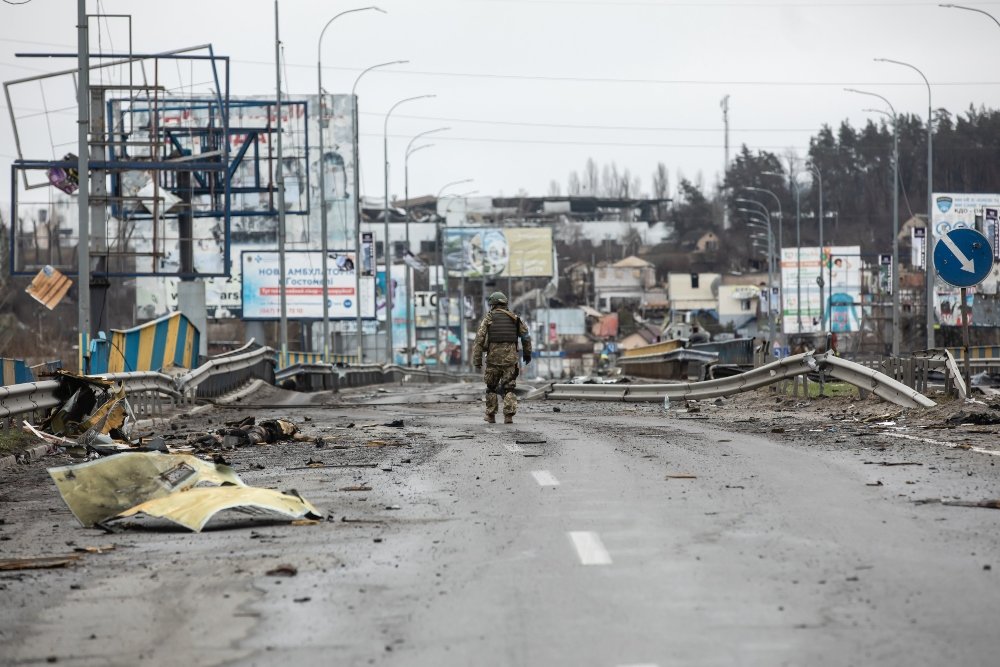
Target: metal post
[[358, 339], [821, 280], [965, 338], [929, 239], [323, 232], [781, 223], [357, 204], [798, 260], [385, 220], [896, 314], [322, 197], [283, 327], [83, 176], [322, 201], [410, 325]]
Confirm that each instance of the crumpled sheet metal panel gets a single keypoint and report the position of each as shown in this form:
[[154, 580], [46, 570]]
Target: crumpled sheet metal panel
[[193, 509], [96, 491]]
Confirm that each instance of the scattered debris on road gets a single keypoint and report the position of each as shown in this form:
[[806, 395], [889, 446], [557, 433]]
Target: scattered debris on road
[[892, 464], [977, 418], [987, 504], [44, 562], [284, 570]]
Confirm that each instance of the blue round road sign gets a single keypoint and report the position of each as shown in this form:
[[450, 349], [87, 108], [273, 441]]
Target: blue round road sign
[[963, 257]]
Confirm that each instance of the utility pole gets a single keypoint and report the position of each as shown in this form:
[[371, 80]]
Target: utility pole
[[280, 179], [83, 176], [725, 165]]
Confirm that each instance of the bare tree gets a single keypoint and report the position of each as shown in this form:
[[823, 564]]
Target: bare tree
[[631, 242], [661, 181], [590, 178], [554, 190], [573, 185]]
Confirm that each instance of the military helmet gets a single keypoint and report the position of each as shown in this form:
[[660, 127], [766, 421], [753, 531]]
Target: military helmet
[[497, 299]]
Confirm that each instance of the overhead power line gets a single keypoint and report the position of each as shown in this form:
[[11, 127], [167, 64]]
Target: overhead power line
[[571, 126]]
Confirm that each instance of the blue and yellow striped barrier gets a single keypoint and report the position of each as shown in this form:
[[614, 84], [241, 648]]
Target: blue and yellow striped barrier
[[977, 352], [14, 371], [169, 341]]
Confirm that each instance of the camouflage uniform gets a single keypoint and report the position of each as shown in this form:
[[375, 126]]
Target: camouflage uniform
[[502, 362]]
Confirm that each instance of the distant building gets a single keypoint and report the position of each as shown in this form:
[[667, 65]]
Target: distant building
[[623, 283]]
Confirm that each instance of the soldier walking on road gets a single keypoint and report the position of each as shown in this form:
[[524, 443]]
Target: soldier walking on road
[[497, 338]]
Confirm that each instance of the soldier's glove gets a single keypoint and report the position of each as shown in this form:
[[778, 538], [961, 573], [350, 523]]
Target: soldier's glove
[[527, 357]]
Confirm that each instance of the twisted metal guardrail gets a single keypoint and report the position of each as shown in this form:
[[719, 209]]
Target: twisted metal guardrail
[[864, 378]]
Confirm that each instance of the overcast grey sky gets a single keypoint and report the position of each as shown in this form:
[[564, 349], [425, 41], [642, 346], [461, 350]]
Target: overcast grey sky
[[532, 88]]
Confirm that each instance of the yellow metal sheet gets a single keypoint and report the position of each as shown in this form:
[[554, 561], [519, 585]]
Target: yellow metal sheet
[[98, 490], [193, 509]]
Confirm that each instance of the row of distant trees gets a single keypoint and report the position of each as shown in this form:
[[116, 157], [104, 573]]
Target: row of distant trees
[[855, 165]]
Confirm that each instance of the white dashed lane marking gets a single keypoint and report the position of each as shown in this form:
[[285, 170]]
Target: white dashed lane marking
[[513, 449], [544, 478], [589, 548]]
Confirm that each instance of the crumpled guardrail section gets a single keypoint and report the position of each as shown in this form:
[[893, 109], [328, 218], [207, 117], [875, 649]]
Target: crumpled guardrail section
[[865, 378], [319, 377], [19, 399], [221, 375]]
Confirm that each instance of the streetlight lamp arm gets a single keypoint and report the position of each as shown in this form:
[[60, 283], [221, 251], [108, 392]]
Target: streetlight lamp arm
[[424, 134], [319, 46], [971, 9], [385, 125], [453, 183], [354, 88]]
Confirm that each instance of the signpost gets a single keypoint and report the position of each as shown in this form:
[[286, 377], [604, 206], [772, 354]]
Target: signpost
[[963, 258]]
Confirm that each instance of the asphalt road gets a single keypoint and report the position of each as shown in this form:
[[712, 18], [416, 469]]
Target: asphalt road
[[602, 534]]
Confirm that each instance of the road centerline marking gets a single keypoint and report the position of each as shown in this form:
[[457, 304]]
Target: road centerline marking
[[544, 478], [589, 548], [513, 449]]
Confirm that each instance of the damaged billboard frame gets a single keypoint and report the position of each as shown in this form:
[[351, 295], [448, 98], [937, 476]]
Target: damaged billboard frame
[[171, 165]]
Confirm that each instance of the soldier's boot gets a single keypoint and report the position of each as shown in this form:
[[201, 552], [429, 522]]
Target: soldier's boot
[[508, 419], [490, 419]]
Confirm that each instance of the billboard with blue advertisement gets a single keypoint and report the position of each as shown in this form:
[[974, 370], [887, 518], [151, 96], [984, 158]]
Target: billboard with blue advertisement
[[261, 290], [800, 268]]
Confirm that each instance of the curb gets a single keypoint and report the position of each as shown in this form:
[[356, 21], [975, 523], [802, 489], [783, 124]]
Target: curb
[[30, 454]]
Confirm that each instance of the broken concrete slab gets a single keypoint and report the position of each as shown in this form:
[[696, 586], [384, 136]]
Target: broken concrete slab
[[98, 490], [194, 508]]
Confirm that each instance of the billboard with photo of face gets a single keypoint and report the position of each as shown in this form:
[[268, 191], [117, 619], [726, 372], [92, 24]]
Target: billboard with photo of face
[[498, 252]]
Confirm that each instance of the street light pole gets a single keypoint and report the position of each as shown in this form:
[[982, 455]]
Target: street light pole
[[322, 185], [770, 261], [410, 325], [443, 276], [929, 242], [359, 339], [896, 316], [780, 246], [387, 253], [280, 183], [821, 280]]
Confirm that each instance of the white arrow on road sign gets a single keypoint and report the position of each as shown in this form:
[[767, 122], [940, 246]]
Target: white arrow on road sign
[[967, 264]]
